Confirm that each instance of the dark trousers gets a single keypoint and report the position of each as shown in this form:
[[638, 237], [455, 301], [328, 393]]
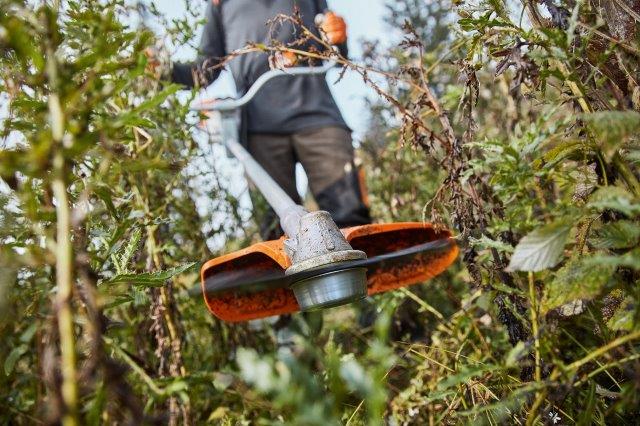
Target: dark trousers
[[326, 154]]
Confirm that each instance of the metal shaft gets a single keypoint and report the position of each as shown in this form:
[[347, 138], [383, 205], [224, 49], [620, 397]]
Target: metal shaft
[[286, 209]]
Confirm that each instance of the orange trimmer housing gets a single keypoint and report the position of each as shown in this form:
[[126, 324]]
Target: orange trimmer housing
[[269, 259]]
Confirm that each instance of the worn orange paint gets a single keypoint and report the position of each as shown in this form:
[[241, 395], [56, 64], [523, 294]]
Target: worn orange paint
[[268, 258]]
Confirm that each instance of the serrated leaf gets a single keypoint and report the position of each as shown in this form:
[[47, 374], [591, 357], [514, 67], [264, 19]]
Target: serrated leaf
[[540, 249], [614, 198], [121, 262], [150, 279], [578, 279], [13, 357], [617, 235]]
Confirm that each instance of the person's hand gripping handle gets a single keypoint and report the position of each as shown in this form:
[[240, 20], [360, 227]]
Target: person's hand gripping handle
[[333, 27]]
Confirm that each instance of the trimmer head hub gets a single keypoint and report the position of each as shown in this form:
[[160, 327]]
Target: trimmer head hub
[[319, 243], [331, 289]]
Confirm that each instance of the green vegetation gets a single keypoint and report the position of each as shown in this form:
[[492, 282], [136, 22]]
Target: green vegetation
[[515, 124]]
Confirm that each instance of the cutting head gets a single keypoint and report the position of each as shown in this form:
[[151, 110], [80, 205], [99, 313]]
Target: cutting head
[[251, 283]]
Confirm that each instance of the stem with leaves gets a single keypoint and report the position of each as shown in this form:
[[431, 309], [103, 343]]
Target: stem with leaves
[[63, 249], [64, 283]]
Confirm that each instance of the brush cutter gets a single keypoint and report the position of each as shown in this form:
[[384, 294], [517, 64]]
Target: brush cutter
[[316, 265]]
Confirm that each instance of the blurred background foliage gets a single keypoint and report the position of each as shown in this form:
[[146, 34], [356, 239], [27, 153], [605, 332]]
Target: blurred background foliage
[[514, 123]]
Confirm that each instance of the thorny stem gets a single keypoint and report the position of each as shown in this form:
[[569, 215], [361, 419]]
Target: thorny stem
[[534, 326], [135, 367], [433, 102], [574, 366], [63, 250], [605, 368], [176, 368], [603, 350], [536, 345]]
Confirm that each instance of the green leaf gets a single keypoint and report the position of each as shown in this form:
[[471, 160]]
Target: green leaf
[[465, 373], [139, 297], [630, 259], [150, 279], [611, 128], [159, 98], [617, 235], [13, 357], [578, 279], [497, 285], [257, 371], [516, 354], [622, 318], [118, 301], [485, 242], [566, 149], [614, 198], [28, 334], [133, 118], [541, 248], [122, 260], [355, 376], [104, 194]]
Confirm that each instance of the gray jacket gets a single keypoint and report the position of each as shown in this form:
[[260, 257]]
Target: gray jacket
[[286, 104]]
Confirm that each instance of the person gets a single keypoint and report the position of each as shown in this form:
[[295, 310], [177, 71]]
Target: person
[[293, 118]]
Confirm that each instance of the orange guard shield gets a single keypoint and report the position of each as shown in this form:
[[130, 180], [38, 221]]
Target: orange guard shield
[[267, 260]]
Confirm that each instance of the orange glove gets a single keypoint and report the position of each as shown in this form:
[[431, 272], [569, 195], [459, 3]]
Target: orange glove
[[334, 27], [290, 59], [284, 59], [153, 62]]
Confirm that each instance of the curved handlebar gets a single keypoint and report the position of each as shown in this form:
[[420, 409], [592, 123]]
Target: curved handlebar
[[231, 104]]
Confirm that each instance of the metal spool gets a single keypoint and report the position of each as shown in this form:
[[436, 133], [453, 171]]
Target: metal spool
[[331, 289]]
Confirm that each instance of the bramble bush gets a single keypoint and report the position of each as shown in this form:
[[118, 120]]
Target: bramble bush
[[515, 124]]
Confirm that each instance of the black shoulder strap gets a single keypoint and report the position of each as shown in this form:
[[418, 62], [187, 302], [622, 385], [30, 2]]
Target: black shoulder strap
[[319, 9], [217, 15]]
